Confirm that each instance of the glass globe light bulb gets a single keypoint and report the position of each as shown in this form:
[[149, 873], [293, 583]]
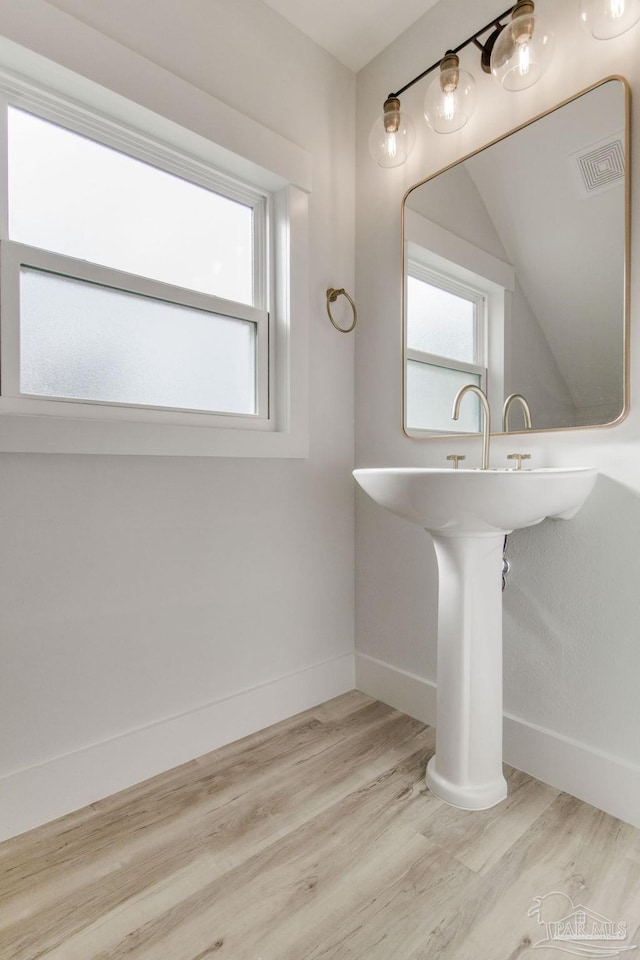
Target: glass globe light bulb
[[392, 136], [523, 50], [606, 19], [450, 98]]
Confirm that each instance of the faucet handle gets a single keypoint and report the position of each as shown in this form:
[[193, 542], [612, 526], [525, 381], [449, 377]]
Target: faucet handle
[[519, 457], [456, 457]]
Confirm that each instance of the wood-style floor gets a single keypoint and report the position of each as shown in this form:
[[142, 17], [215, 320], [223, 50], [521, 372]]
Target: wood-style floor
[[314, 840]]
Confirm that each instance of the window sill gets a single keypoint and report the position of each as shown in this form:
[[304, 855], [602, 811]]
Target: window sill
[[47, 434]]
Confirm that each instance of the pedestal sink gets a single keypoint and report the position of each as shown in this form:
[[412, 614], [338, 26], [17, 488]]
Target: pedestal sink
[[468, 513]]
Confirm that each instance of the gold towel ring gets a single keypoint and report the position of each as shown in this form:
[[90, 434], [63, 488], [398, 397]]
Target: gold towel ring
[[332, 296]]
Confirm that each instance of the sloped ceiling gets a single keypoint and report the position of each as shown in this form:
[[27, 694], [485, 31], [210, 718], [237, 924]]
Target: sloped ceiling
[[567, 247], [354, 31]]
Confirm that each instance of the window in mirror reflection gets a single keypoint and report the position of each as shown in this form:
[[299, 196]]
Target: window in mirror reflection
[[445, 349], [440, 320]]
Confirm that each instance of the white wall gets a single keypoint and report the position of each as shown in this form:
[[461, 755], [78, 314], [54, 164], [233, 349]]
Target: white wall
[[531, 369], [572, 608], [139, 595]]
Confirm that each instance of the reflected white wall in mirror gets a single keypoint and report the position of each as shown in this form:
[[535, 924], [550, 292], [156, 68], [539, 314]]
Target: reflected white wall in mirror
[[515, 265]]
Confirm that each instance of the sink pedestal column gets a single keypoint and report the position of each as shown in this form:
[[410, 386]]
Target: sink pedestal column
[[466, 770]]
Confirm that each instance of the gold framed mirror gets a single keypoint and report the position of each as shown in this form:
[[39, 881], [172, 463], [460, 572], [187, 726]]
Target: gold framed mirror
[[516, 266]]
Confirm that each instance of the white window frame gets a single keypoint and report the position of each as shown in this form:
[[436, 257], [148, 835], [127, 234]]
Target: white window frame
[[438, 252], [280, 427], [478, 367], [477, 297], [14, 256]]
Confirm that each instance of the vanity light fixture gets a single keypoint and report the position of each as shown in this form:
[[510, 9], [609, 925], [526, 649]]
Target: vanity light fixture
[[391, 139], [516, 52], [523, 50], [606, 19], [451, 97]]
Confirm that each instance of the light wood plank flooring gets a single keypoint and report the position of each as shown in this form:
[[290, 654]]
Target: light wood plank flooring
[[313, 840]]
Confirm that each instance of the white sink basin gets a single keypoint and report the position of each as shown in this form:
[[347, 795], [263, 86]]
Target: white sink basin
[[458, 502], [468, 513]]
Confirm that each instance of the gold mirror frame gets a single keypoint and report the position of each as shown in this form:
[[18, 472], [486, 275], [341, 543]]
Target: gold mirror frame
[[626, 264]]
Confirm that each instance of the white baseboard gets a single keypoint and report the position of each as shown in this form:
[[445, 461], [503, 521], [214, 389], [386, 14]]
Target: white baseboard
[[605, 781], [50, 790], [598, 778], [407, 692]]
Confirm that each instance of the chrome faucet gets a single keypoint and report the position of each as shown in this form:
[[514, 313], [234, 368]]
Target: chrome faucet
[[486, 429], [507, 406]]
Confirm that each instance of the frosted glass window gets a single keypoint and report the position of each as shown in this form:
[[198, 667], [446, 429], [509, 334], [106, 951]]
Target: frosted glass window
[[440, 322], [79, 198], [83, 341], [431, 391]]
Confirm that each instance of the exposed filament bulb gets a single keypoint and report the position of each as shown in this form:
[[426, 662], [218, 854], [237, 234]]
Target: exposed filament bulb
[[391, 146], [524, 58], [449, 106]]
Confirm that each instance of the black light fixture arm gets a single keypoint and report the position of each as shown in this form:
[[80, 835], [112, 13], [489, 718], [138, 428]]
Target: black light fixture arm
[[496, 25]]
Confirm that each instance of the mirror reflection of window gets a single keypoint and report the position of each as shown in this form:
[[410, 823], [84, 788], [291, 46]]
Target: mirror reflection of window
[[539, 221], [445, 350]]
